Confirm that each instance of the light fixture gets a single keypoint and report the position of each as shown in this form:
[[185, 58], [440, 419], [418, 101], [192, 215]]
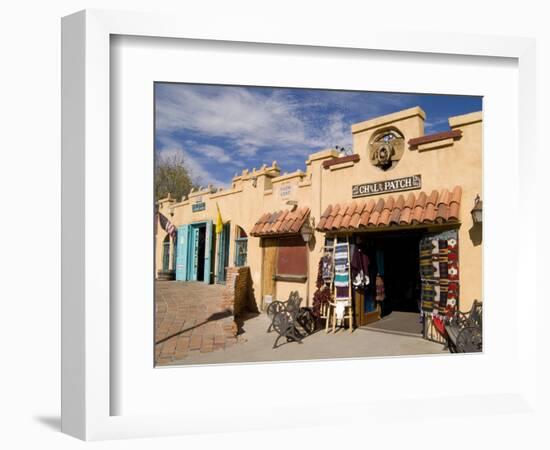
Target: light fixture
[[293, 204], [306, 231], [477, 212]]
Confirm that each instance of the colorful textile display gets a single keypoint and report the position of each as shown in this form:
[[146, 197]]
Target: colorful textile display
[[360, 269], [341, 292], [439, 273], [341, 268], [327, 267], [341, 279]]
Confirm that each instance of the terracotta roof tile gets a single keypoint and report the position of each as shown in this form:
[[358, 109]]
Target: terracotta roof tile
[[375, 215], [443, 206], [365, 215], [406, 212], [299, 220], [396, 212], [438, 207], [418, 209], [349, 214], [354, 222], [384, 219], [330, 219], [280, 222], [324, 217], [287, 224], [454, 205], [430, 209], [339, 217]]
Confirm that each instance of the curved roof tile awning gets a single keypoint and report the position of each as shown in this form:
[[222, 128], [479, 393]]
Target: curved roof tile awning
[[280, 223], [437, 208]]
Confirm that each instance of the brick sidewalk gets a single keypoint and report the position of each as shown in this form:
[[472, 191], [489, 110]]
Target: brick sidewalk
[[190, 317]]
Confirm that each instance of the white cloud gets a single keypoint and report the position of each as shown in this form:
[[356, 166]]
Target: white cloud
[[250, 120], [196, 169], [254, 121], [213, 152]]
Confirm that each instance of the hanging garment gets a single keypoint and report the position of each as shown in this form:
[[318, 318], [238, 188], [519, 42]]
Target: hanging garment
[[327, 267], [380, 291], [360, 269]]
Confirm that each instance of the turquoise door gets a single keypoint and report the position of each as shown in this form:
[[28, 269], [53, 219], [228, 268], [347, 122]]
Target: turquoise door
[[208, 253], [223, 254], [182, 253], [165, 255], [198, 257]]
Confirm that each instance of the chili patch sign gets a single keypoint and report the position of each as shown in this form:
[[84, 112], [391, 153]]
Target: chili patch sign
[[382, 187]]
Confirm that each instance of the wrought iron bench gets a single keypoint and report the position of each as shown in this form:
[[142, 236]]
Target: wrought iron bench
[[464, 332], [289, 320]]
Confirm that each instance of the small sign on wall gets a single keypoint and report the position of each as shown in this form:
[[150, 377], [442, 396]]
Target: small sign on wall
[[381, 187], [285, 190], [199, 206]]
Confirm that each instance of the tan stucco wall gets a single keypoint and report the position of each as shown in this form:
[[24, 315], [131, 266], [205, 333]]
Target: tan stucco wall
[[443, 165]]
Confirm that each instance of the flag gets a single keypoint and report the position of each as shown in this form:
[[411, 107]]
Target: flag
[[219, 222], [167, 225]]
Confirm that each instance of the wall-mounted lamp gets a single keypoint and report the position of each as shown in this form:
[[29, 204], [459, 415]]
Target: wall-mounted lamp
[[293, 204], [306, 231], [254, 181], [477, 212]]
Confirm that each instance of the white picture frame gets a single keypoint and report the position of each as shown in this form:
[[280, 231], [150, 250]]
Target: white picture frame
[[87, 383]]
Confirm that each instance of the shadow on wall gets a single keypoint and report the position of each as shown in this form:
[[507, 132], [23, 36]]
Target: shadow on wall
[[476, 234]]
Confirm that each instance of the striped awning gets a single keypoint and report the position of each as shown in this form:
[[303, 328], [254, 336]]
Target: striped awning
[[280, 223], [439, 207]]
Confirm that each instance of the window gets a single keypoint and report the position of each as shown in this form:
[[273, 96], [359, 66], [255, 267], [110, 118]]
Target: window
[[292, 259], [166, 253], [241, 246]]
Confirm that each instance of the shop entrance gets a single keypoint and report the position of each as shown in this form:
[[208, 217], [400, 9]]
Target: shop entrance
[[200, 241], [391, 300], [223, 254], [194, 252]]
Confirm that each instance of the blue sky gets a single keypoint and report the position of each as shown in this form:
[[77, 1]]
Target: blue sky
[[221, 130]]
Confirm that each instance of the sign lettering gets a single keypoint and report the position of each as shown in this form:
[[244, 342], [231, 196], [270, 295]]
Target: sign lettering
[[381, 187]]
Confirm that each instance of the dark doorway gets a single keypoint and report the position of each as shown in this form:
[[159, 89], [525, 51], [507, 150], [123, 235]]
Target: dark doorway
[[201, 255], [401, 274], [395, 257]]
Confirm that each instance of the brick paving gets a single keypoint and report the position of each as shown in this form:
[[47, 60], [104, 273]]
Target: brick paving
[[193, 326], [190, 318]]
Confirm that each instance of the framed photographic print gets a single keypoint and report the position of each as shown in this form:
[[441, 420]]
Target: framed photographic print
[[350, 228], [248, 212]]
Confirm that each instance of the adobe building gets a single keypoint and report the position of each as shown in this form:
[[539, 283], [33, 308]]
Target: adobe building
[[404, 199]]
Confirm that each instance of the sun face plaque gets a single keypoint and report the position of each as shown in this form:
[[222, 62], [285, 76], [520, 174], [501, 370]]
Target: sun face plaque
[[386, 148]]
